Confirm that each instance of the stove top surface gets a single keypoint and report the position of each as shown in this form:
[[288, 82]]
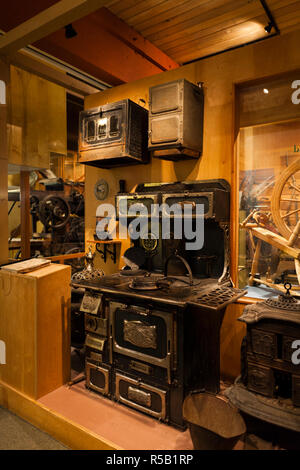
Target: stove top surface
[[203, 292]]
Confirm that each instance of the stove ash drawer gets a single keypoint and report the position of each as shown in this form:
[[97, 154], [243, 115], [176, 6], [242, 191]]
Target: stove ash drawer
[[97, 378], [141, 396]]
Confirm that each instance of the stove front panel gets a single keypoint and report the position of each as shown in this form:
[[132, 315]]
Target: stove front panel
[[143, 335]]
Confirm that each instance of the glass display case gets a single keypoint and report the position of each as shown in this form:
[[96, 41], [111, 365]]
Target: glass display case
[[268, 150]]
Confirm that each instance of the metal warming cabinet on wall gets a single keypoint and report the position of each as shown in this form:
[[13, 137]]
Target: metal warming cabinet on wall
[[114, 135], [176, 120]]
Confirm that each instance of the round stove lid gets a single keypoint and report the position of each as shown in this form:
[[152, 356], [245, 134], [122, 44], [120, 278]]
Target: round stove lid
[[132, 272]]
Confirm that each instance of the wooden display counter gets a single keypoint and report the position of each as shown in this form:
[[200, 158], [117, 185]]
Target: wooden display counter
[[35, 327]]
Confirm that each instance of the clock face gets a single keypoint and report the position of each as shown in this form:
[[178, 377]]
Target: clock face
[[101, 189]]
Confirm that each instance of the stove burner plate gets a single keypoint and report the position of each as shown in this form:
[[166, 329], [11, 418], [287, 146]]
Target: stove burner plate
[[145, 283]]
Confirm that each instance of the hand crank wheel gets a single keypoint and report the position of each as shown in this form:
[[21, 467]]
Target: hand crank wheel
[[285, 200], [54, 212]]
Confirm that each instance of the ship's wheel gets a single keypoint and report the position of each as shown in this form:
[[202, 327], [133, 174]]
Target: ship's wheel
[[285, 201]]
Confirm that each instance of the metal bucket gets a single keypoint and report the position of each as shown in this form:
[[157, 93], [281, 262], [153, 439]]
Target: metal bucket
[[213, 422]]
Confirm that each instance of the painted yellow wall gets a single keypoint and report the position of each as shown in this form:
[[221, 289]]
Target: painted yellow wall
[[219, 74]]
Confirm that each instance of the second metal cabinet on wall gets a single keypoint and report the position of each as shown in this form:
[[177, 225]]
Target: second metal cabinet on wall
[[176, 120]]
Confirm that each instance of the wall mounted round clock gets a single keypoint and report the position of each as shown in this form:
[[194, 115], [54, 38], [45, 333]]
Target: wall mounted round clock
[[101, 189]]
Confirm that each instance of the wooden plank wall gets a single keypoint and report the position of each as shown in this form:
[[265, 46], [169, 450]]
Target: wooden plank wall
[[4, 76], [37, 123], [220, 74]]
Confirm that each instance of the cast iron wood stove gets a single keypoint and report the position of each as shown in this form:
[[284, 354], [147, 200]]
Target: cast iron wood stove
[[153, 334], [269, 385]]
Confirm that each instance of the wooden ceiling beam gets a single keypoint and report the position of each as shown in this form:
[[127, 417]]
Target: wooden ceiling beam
[[48, 21], [108, 49]]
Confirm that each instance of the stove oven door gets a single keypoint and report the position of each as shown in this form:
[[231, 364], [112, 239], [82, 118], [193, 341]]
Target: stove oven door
[[143, 334], [141, 202], [189, 199]]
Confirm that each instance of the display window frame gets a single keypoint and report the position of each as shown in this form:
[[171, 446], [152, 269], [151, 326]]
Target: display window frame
[[246, 115]]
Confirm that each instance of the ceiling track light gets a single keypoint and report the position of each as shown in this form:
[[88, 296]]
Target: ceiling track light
[[70, 32], [268, 28], [271, 20]]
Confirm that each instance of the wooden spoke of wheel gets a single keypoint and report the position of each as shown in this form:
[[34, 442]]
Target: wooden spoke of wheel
[[290, 213], [277, 198], [286, 199], [292, 185]]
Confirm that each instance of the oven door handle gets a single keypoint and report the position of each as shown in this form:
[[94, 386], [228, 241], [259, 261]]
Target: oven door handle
[[145, 312], [190, 203]]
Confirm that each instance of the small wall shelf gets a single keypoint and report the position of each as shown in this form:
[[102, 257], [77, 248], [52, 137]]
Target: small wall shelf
[[106, 249]]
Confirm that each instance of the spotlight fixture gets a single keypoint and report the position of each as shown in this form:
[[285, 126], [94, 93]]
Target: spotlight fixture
[[269, 27], [70, 31], [266, 91]]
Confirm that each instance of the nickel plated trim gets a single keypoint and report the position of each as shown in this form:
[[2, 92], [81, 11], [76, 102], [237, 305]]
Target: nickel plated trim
[[161, 393], [135, 199], [181, 196], [105, 372]]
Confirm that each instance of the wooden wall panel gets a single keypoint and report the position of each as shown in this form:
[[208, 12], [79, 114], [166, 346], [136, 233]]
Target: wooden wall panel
[[4, 76], [219, 74], [232, 333], [36, 118]]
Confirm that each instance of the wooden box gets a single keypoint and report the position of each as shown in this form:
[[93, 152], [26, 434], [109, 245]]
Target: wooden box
[[35, 327]]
